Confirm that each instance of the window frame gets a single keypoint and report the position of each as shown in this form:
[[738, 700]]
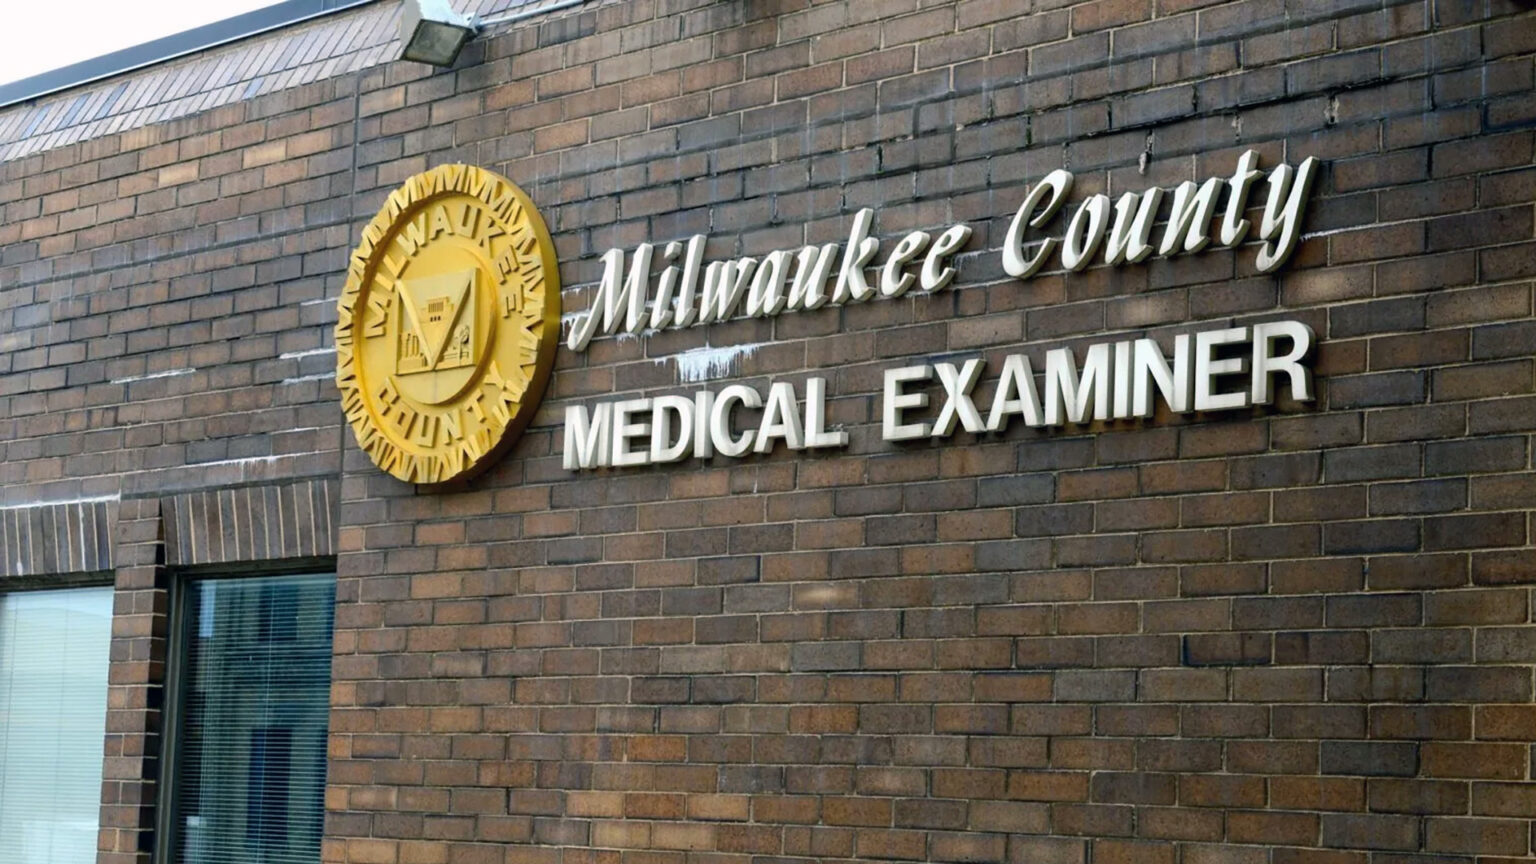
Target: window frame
[[173, 717]]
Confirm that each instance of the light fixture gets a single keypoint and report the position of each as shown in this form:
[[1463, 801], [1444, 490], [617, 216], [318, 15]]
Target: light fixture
[[431, 32]]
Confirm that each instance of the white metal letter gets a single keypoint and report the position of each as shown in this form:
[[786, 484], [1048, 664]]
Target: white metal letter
[[687, 308], [766, 296], [781, 419], [852, 284], [624, 431], [663, 447], [1280, 229], [1265, 363], [1208, 368], [1233, 226], [611, 295], [1122, 380], [586, 436], [703, 411], [720, 419], [894, 283], [1130, 240], [812, 269], [933, 277], [724, 284], [1190, 220], [661, 307], [958, 383], [896, 402], [1067, 395], [1018, 378], [1057, 184], [1085, 232], [1150, 367], [816, 434]]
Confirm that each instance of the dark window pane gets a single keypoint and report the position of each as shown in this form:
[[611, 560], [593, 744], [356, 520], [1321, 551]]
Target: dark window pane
[[250, 772]]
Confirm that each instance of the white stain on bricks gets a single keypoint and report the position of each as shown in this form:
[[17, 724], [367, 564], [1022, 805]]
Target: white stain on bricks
[[62, 502], [245, 460], [707, 364], [299, 355], [168, 373]]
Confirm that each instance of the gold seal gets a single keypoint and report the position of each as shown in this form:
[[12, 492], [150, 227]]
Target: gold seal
[[446, 330]]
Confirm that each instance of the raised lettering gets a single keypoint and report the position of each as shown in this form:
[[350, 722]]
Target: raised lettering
[[1056, 185]]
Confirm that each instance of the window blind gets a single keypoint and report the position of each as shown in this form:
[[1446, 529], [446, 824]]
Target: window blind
[[249, 776], [53, 719]]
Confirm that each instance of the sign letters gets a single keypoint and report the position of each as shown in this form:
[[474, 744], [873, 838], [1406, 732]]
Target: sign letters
[[447, 326], [1213, 370]]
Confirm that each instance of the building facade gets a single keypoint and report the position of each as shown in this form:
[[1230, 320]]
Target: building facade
[[1289, 626]]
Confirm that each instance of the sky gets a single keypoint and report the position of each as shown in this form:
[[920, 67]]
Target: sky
[[38, 39]]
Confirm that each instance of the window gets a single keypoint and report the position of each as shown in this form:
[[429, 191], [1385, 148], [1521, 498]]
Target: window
[[247, 779], [53, 721]]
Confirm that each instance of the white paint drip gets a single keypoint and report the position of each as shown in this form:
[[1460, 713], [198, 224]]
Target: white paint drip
[[99, 499], [169, 373], [568, 320], [1332, 231], [705, 364], [317, 301], [313, 352], [248, 460], [302, 378]]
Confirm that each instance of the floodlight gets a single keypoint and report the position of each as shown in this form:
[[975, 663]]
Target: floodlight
[[431, 32]]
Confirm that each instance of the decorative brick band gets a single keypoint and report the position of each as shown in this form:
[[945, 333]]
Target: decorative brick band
[[255, 523], [52, 539]]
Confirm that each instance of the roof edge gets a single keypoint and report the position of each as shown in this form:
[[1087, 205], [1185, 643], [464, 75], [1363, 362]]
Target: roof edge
[[176, 45]]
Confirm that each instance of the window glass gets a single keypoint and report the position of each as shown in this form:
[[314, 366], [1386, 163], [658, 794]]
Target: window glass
[[53, 720], [249, 774]]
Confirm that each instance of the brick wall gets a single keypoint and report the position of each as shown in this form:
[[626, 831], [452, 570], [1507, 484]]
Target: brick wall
[[1300, 635]]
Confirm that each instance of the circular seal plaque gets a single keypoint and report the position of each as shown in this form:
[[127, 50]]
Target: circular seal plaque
[[447, 327]]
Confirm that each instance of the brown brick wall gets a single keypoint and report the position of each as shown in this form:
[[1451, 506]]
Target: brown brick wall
[[1298, 636]]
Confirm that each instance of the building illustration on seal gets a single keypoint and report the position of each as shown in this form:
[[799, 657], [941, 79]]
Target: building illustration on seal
[[437, 331]]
